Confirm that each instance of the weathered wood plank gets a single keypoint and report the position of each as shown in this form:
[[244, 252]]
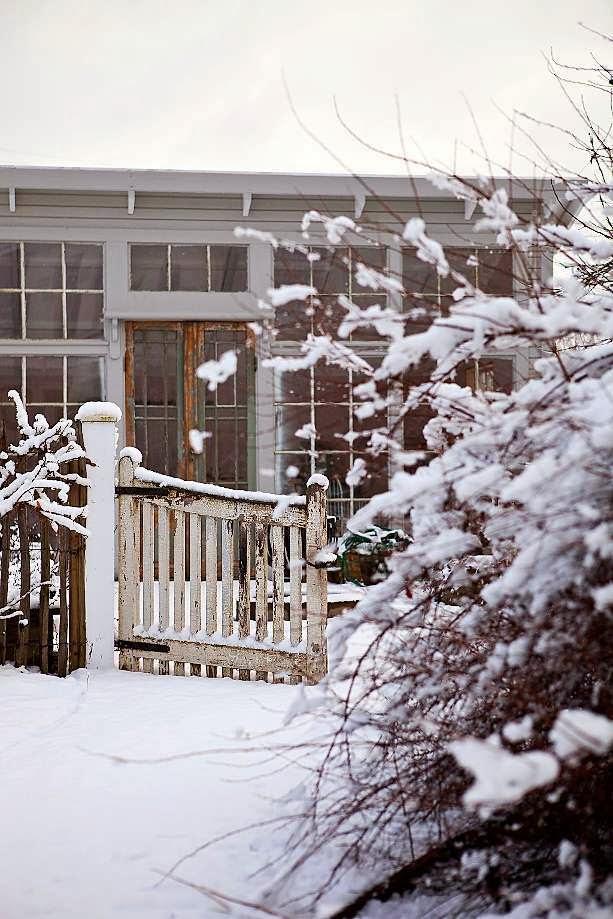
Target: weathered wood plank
[[225, 508], [164, 575], [148, 573], [211, 580], [22, 657], [129, 562], [262, 660], [244, 583], [195, 581], [179, 581], [278, 565], [45, 576], [316, 582], [295, 585], [227, 582], [261, 587], [62, 654]]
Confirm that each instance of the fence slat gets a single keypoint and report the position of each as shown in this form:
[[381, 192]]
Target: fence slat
[[278, 567], [179, 581], [295, 585], [195, 581], [244, 583], [22, 657], [316, 582], [164, 574], [129, 563], [4, 580], [76, 576], [62, 653], [148, 574], [227, 581], [211, 582], [261, 587]]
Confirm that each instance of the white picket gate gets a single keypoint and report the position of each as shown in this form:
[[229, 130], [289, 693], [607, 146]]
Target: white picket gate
[[194, 562]]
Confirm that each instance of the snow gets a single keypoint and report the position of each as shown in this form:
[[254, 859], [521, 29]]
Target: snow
[[216, 491], [578, 731], [318, 479], [216, 372], [500, 777], [134, 453], [285, 293], [98, 411], [93, 833]]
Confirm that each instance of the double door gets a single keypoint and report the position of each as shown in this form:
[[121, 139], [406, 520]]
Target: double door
[[165, 400]]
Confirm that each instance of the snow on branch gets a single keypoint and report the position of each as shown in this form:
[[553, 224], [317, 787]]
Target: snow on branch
[[32, 471]]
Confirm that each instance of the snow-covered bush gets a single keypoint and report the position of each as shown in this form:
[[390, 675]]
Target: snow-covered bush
[[37, 472], [471, 690]]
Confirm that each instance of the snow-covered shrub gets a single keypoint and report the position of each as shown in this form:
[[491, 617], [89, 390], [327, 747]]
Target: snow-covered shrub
[[471, 690], [38, 472]]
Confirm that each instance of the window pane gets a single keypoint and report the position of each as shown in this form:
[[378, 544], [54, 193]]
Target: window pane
[[10, 378], [10, 315], [330, 273], [52, 413], [331, 422], [376, 479], [331, 383], [496, 272], [44, 380], [293, 386], [85, 379], [417, 276], [288, 420], [148, 267], [9, 265], [291, 268], [83, 266], [327, 316], [293, 320], [188, 268], [43, 263], [44, 315], [463, 262], [228, 268], [371, 256], [84, 316]]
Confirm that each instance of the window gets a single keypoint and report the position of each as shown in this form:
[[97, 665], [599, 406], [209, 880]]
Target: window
[[316, 429], [491, 270], [206, 268], [331, 272], [51, 290], [52, 385]]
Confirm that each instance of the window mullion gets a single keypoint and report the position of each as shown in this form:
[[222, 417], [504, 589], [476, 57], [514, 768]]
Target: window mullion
[[22, 272]]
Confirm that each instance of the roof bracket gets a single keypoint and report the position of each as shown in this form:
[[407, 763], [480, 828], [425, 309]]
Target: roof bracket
[[12, 200], [246, 203], [469, 208], [131, 199], [359, 200]]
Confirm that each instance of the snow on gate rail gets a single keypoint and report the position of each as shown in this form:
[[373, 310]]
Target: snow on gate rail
[[178, 540]]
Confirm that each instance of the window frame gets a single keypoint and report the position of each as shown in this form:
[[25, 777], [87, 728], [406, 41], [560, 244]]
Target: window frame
[[23, 290], [179, 245]]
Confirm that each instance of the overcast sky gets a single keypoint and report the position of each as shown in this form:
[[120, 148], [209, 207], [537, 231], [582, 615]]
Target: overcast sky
[[199, 84]]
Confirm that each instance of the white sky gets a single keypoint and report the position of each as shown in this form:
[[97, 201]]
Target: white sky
[[198, 84]]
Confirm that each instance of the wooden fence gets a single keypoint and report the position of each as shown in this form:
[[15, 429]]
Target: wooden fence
[[42, 588], [194, 589]]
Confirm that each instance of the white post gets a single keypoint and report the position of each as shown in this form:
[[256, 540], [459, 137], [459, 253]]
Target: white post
[[99, 422]]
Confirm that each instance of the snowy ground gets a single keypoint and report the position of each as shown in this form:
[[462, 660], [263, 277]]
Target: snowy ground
[[87, 836]]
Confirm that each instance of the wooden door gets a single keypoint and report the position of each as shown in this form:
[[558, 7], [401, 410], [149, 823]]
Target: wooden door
[[165, 400]]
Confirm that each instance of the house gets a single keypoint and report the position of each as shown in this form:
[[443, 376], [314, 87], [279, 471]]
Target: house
[[116, 284]]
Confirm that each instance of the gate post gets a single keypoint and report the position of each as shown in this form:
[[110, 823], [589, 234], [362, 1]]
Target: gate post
[[99, 425], [316, 578]]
